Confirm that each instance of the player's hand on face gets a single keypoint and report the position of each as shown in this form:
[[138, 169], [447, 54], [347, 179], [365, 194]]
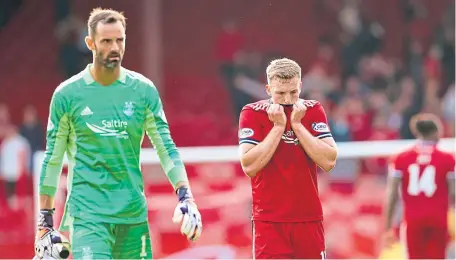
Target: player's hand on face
[[299, 110], [277, 115]]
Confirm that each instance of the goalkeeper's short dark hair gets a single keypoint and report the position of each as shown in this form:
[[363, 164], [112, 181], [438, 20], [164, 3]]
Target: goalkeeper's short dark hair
[[105, 16]]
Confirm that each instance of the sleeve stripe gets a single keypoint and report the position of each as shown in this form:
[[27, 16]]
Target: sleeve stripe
[[324, 135], [248, 141]]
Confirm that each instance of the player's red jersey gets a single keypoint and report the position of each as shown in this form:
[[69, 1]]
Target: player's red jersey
[[285, 190], [424, 170]]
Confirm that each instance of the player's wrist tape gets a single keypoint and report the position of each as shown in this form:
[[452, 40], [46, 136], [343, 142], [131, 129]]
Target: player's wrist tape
[[184, 194], [45, 218]]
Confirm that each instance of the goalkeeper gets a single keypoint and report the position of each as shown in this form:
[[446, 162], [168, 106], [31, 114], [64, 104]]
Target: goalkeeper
[[98, 117]]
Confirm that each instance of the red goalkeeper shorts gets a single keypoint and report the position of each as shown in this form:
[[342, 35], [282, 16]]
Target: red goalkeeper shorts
[[288, 240]]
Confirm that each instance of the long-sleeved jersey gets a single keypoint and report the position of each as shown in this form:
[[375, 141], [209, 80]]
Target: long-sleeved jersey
[[101, 129]]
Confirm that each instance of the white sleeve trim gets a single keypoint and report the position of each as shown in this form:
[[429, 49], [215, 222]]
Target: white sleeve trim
[[396, 173], [248, 141]]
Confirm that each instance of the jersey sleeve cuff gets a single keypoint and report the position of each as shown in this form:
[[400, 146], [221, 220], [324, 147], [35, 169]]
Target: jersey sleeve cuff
[[324, 135], [396, 173], [248, 141], [47, 190], [177, 175]]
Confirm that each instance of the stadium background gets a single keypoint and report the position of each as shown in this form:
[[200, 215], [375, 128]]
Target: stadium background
[[373, 64]]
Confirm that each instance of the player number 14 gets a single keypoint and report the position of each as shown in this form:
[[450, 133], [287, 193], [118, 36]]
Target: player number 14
[[424, 183]]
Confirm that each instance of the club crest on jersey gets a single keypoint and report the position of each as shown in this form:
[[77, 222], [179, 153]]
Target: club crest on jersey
[[320, 127], [289, 138], [245, 132], [87, 253], [129, 109]]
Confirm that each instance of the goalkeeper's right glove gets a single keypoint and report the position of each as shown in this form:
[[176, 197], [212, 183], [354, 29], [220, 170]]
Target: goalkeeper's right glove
[[49, 243]]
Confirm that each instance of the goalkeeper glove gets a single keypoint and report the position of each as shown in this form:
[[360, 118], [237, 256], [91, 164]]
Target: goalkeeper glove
[[49, 243], [187, 214]]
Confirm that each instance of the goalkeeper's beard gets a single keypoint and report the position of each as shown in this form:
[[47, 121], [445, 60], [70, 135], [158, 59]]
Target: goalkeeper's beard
[[106, 62]]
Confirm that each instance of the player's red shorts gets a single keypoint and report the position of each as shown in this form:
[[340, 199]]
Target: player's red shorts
[[424, 241], [288, 240]]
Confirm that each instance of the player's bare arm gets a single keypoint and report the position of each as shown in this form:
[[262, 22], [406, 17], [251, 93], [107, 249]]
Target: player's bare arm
[[322, 151], [391, 201], [451, 189], [255, 157]]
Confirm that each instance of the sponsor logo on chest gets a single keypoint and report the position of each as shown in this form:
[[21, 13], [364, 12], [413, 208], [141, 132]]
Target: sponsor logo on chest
[[289, 137], [111, 127]]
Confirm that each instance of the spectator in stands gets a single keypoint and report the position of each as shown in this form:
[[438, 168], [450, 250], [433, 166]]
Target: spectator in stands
[[14, 158], [338, 123], [412, 10], [380, 131], [228, 43], [317, 78], [445, 39], [448, 109], [350, 17], [325, 57], [71, 32], [432, 64], [245, 86], [359, 118], [7, 9], [415, 59], [4, 119], [32, 130], [228, 51]]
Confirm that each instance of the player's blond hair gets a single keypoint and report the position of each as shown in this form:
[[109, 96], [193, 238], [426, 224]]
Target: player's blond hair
[[283, 69], [105, 16]]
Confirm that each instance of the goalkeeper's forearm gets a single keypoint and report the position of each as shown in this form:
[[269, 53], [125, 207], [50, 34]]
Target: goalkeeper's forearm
[[46, 202]]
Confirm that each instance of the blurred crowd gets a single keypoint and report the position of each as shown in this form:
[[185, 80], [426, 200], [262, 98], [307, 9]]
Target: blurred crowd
[[366, 95], [18, 143]]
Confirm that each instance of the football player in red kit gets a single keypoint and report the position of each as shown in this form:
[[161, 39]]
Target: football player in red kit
[[282, 142], [425, 177]]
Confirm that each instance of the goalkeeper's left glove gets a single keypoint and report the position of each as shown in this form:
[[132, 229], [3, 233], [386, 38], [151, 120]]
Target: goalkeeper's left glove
[[49, 243], [187, 213]]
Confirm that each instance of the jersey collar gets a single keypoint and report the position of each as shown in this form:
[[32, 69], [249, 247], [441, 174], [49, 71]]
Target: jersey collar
[[89, 79], [427, 143]]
